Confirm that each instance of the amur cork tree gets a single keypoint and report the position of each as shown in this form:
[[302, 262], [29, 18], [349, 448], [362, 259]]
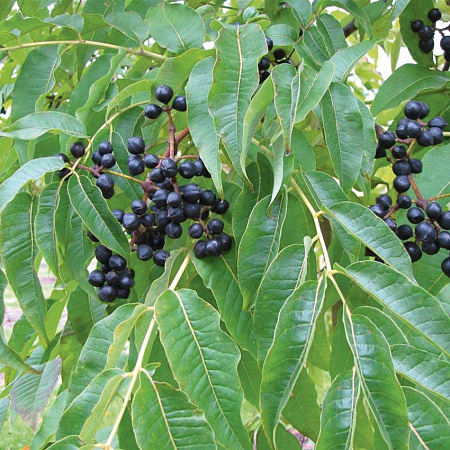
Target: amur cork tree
[[247, 223]]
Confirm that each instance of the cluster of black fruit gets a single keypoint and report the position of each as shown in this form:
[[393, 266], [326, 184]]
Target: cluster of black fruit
[[429, 219], [77, 149], [264, 64], [113, 279], [426, 34]]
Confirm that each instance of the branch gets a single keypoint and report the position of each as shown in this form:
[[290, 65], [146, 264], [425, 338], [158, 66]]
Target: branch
[[351, 27]]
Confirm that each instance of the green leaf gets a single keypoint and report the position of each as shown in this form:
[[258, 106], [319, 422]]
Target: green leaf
[[282, 277], [343, 125], [235, 79], [219, 275], [423, 368], [363, 224], [313, 86], [346, 58], [287, 355], [250, 377], [74, 21], [18, 255], [200, 121], [405, 83], [45, 225], [282, 34], [410, 303], [90, 205], [428, 423], [141, 86], [378, 382], [3, 284], [129, 23], [338, 420], [176, 27], [286, 83], [67, 443], [36, 78], [104, 346], [9, 358], [302, 11], [259, 244], [36, 124], [204, 361], [29, 397], [32, 170], [163, 417]]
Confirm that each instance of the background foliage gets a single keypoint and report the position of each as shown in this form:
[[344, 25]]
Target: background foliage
[[293, 331]]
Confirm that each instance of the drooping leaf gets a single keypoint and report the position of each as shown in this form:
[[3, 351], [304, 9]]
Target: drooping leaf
[[164, 417], [338, 419], [204, 361], [129, 23], [235, 79], [259, 244], [378, 382], [9, 358], [287, 355], [18, 255], [201, 124], [32, 170], [90, 205]]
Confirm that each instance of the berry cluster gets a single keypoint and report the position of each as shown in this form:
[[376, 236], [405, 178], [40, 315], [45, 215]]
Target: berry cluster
[[264, 64], [429, 220], [426, 34], [113, 279], [77, 149], [164, 94]]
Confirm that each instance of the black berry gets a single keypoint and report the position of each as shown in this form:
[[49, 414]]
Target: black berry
[[131, 222], [107, 293], [415, 215], [195, 231], [96, 278], [434, 210], [144, 252], [163, 93], [152, 111], [404, 232], [401, 183], [179, 103], [160, 257], [77, 149], [139, 207], [105, 147], [136, 145]]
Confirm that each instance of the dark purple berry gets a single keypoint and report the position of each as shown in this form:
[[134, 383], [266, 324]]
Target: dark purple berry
[[160, 257], [152, 111], [96, 278], [107, 293], [163, 93], [179, 103], [195, 231], [415, 215], [77, 149]]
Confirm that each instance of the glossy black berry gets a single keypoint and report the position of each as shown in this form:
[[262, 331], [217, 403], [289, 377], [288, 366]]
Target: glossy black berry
[[151, 161], [160, 257], [215, 226], [443, 240], [279, 54], [269, 44], [201, 170], [401, 167], [430, 248], [415, 215], [157, 175], [208, 198], [173, 199], [434, 15], [176, 215], [160, 198], [391, 224], [112, 278], [191, 192], [152, 111], [404, 232], [413, 250], [163, 93], [444, 220], [108, 193], [413, 129], [434, 210], [226, 242], [426, 46], [96, 158], [131, 221], [220, 207], [425, 232], [192, 210], [195, 231], [425, 110], [162, 218], [213, 247], [77, 149], [118, 214], [148, 220], [169, 167], [445, 43], [123, 293], [416, 25], [139, 207], [174, 230], [187, 169], [63, 156], [385, 201], [107, 293], [438, 135], [264, 64], [105, 182], [413, 110], [386, 139], [401, 132], [108, 161], [401, 183], [126, 281], [117, 262], [144, 252], [96, 278], [179, 103], [102, 254], [91, 236], [445, 266], [135, 165], [378, 210], [105, 147], [63, 172], [426, 33], [199, 249], [437, 121], [404, 201], [380, 152], [399, 152], [136, 145], [416, 165], [425, 139]]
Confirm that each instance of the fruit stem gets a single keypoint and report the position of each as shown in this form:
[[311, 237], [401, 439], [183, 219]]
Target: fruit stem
[[182, 134], [437, 197], [172, 138], [86, 42], [111, 172], [262, 147], [446, 133], [415, 187]]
